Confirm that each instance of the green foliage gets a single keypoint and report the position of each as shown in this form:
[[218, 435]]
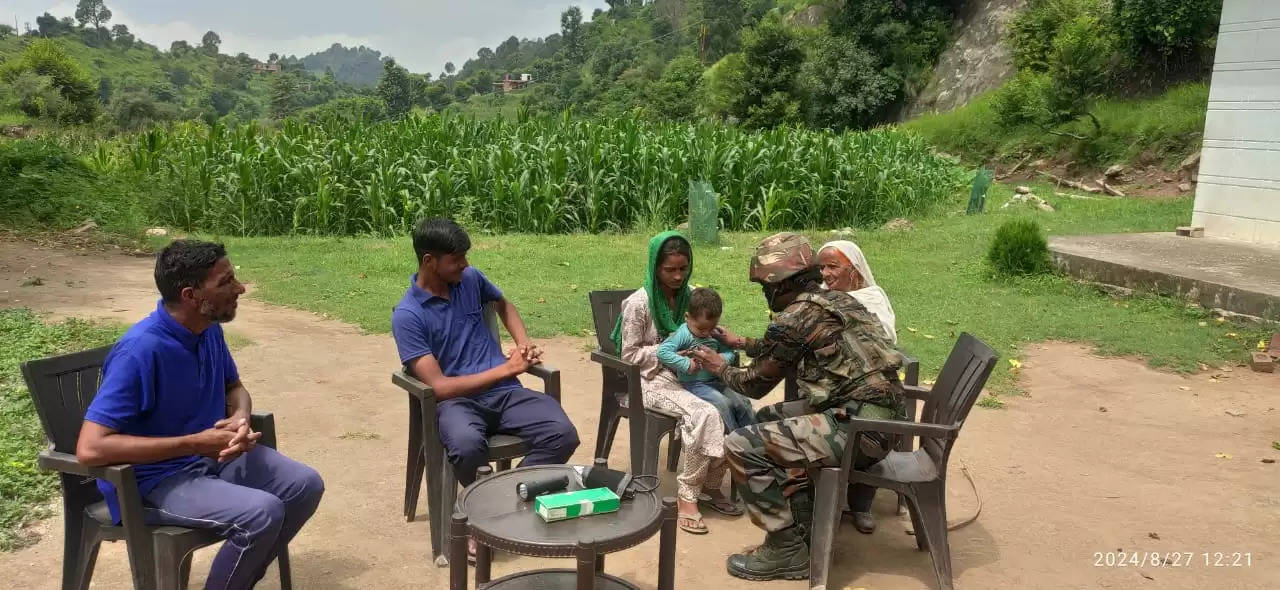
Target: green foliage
[[1024, 100], [284, 95], [395, 89], [724, 21], [1019, 249], [724, 82], [24, 489], [210, 42], [44, 185], [1032, 32], [905, 35], [772, 57], [357, 109], [135, 110], [675, 96], [1079, 66], [93, 12], [843, 85], [1161, 31], [48, 58], [540, 175]]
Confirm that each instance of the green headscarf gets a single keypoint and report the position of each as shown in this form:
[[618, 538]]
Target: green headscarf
[[665, 319]]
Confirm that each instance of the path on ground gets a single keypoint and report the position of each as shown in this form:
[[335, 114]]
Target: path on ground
[[1102, 455]]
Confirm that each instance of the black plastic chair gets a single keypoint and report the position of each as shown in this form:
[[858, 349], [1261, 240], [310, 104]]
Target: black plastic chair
[[920, 474], [62, 388], [621, 397], [427, 457]]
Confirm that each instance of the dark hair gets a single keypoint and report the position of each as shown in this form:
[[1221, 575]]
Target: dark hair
[[674, 245], [704, 302], [439, 236], [185, 263]]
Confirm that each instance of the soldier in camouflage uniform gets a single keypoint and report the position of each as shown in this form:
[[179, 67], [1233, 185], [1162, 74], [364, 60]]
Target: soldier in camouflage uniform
[[843, 365]]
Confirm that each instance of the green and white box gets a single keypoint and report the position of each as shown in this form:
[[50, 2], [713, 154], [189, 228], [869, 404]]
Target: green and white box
[[566, 505]]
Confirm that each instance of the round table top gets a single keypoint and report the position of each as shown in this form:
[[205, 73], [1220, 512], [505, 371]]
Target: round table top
[[499, 519]]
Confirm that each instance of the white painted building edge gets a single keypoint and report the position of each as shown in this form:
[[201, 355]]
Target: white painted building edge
[[1238, 196]]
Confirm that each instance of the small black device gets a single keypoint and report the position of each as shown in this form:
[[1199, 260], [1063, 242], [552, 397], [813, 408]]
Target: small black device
[[528, 490], [599, 476]]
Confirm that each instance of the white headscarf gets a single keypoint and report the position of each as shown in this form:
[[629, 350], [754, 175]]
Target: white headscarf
[[870, 295]]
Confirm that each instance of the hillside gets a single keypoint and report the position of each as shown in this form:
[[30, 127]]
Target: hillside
[[358, 66]]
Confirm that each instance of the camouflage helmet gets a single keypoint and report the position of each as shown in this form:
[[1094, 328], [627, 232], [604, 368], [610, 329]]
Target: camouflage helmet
[[781, 256]]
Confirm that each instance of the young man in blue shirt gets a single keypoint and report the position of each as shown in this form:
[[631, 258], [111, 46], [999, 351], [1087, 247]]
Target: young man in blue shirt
[[443, 341], [171, 402]]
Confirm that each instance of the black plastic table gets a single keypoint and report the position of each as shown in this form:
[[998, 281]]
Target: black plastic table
[[490, 512]]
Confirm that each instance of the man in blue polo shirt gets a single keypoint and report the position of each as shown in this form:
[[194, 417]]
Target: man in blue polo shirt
[[442, 339], [171, 403]]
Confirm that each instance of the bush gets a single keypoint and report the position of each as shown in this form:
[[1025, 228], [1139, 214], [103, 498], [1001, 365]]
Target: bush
[[1154, 31], [844, 86], [1079, 66], [358, 109], [48, 58], [1032, 32], [1023, 100], [1019, 249]]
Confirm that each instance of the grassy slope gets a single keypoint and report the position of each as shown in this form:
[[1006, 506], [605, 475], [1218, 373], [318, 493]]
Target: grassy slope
[[934, 273], [1160, 130]]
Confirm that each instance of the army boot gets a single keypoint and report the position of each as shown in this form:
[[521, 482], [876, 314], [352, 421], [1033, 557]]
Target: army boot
[[784, 554]]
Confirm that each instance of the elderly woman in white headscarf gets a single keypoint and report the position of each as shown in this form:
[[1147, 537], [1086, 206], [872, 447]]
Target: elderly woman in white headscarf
[[844, 268]]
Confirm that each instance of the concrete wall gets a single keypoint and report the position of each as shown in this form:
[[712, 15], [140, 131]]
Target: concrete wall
[[1238, 194]]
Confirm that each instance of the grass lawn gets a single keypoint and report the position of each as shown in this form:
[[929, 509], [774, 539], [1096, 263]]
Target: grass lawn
[[23, 488], [935, 275]]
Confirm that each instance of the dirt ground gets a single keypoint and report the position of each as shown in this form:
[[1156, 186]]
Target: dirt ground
[[1061, 479]]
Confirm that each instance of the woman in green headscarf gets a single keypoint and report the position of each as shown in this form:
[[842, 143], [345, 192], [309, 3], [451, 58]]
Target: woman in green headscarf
[[648, 316]]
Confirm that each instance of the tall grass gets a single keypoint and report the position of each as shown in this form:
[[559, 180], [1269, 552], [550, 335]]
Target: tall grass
[[533, 175]]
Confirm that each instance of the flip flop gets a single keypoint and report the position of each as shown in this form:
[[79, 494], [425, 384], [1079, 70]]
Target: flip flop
[[699, 529], [723, 505]]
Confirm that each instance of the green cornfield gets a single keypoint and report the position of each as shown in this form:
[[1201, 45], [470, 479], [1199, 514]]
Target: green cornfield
[[531, 175]]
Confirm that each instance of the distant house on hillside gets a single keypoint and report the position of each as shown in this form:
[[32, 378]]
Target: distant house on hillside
[[268, 68], [511, 82]]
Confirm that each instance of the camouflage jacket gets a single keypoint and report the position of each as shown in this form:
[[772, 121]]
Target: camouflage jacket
[[832, 345]]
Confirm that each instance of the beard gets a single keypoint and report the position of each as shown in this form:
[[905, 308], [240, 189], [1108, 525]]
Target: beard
[[219, 315]]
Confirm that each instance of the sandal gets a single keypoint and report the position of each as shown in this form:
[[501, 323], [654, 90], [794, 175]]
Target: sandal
[[692, 523], [722, 504]]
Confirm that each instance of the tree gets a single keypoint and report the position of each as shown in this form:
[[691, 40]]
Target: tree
[[449, 68], [179, 47], [508, 48], [485, 55], [180, 76], [120, 34], [6, 30], [223, 100], [772, 59], [1083, 53], [571, 32], [843, 85], [93, 12], [284, 95], [273, 58], [675, 95], [1165, 31], [210, 42], [49, 25], [395, 89], [48, 58], [483, 81], [724, 20], [104, 91]]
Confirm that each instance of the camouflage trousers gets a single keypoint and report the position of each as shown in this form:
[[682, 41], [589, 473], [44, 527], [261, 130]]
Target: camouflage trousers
[[769, 461]]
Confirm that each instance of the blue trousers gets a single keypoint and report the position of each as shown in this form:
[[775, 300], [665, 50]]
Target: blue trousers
[[258, 501], [466, 423], [735, 409]]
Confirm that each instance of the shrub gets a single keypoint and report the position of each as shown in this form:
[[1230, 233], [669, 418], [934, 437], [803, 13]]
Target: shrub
[[358, 109], [1161, 30], [47, 57], [1023, 100], [1079, 66], [1032, 32], [1019, 249], [44, 185]]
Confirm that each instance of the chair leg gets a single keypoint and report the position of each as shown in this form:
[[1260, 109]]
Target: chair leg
[[608, 426], [282, 562], [917, 523], [933, 501], [653, 434], [184, 572], [674, 445], [439, 471], [168, 565], [826, 519], [413, 466], [79, 559]]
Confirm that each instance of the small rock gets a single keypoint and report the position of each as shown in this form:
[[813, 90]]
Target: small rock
[[1023, 190], [683, 226], [1102, 408], [157, 232], [1167, 179], [1268, 461], [899, 224], [1184, 187], [1192, 161], [85, 227], [1153, 536], [1114, 171]]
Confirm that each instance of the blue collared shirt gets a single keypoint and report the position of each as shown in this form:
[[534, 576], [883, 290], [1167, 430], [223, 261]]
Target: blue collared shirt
[[452, 330], [162, 380]]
